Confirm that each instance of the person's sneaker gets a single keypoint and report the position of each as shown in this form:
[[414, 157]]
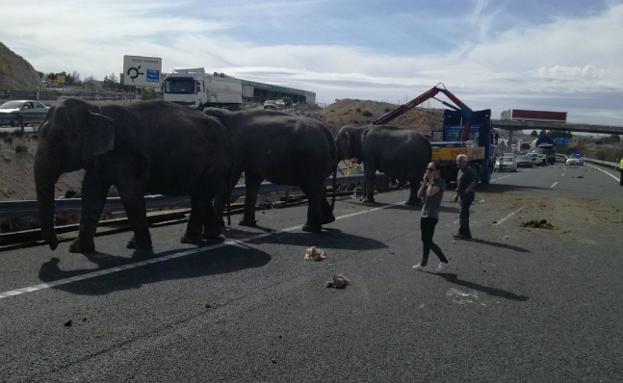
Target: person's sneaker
[[418, 267], [442, 266], [463, 237]]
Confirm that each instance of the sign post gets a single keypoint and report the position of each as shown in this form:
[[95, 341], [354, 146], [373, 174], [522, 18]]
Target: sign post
[[142, 72]]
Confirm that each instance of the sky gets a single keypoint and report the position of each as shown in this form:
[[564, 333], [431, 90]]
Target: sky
[[493, 54]]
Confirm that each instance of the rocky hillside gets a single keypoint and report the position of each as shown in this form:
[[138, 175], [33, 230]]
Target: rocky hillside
[[363, 112], [15, 72]]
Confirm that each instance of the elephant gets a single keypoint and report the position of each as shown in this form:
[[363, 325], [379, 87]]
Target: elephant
[[399, 153], [144, 147], [283, 149]]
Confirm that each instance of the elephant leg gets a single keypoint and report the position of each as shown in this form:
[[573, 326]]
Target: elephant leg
[[219, 199], [413, 198], [327, 212], [198, 208], [252, 183], [212, 227], [132, 198], [94, 192], [369, 175], [314, 209]]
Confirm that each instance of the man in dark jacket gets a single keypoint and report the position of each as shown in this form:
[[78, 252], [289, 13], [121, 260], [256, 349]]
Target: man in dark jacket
[[466, 182]]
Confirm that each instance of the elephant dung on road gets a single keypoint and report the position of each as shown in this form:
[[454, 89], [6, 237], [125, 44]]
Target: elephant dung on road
[[141, 148], [283, 149], [399, 153]]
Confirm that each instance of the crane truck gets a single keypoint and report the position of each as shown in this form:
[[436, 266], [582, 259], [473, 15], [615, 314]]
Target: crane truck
[[464, 131]]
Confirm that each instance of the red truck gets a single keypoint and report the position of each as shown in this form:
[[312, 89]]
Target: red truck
[[534, 115]]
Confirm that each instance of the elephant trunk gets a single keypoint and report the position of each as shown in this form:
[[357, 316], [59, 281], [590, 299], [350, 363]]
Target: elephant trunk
[[46, 175]]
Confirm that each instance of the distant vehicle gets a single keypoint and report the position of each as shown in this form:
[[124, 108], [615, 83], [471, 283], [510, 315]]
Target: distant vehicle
[[507, 162], [579, 158], [538, 158], [548, 150], [26, 109], [195, 88], [270, 104], [525, 160], [572, 161], [280, 103]]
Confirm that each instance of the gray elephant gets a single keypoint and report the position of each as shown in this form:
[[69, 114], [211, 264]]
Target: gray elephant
[[145, 147], [399, 153], [283, 149]]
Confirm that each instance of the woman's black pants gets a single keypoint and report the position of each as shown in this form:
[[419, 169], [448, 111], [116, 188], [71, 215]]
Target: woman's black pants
[[427, 225]]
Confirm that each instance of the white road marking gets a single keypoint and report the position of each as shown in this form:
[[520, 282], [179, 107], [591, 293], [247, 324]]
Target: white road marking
[[509, 216], [135, 265], [605, 172], [554, 184]]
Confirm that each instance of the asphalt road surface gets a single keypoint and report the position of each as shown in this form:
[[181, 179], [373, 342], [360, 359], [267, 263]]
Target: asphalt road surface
[[517, 304]]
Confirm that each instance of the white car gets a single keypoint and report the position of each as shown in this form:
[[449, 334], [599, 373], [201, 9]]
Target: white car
[[538, 158], [525, 160], [29, 110], [280, 103], [572, 161], [506, 162]]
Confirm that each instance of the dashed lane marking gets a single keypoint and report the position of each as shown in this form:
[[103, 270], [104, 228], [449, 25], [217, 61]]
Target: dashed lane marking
[[509, 216], [554, 184], [135, 265], [501, 178], [605, 172]]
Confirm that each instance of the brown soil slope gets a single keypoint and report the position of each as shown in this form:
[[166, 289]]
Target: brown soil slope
[[15, 72], [363, 112]]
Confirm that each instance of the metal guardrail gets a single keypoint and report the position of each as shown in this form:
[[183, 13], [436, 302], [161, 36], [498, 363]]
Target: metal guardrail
[[20, 119], [613, 165], [17, 208]]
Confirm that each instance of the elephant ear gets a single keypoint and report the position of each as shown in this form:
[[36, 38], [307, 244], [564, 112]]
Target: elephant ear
[[99, 137]]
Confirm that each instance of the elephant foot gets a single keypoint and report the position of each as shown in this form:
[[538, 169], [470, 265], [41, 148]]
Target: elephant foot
[[248, 222], [212, 233], [328, 219], [312, 228], [78, 247], [191, 240], [132, 244]]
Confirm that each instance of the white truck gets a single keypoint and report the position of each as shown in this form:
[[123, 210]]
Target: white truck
[[195, 88]]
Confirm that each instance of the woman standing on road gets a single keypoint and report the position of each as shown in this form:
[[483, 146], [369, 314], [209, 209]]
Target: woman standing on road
[[431, 190]]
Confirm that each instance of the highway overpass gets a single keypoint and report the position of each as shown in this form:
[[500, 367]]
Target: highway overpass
[[570, 127]]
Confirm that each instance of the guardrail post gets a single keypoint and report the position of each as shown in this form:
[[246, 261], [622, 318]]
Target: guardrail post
[[21, 122]]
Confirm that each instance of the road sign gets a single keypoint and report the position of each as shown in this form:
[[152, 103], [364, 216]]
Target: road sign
[[142, 71]]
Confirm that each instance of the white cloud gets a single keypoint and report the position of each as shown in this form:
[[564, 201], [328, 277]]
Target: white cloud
[[516, 68]]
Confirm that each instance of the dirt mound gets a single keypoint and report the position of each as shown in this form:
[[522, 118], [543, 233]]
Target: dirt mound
[[363, 112], [15, 72]]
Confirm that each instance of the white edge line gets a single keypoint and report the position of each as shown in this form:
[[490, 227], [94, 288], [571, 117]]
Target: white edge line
[[129, 266], [605, 172], [509, 216]]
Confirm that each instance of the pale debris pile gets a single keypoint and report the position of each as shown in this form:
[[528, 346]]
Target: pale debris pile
[[315, 254]]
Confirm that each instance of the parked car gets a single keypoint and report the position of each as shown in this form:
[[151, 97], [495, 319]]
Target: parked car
[[30, 110], [506, 162], [525, 160], [270, 104], [572, 161]]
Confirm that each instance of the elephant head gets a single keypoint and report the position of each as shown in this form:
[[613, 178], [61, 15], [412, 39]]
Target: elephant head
[[71, 135], [349, 141]]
